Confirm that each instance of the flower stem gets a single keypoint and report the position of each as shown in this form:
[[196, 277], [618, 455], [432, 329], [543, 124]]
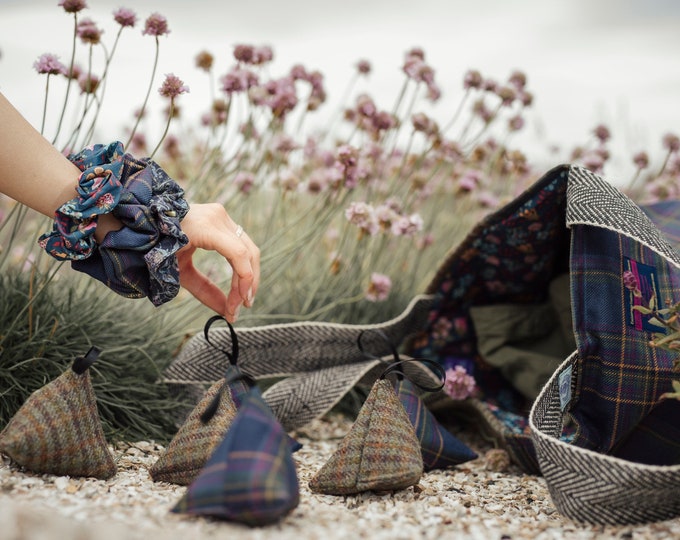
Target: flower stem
[[44, 114], [146, 99], [167, 127], [70, 78]]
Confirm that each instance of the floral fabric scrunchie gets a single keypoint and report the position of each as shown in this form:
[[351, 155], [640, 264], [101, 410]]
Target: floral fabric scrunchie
[[139, 259]]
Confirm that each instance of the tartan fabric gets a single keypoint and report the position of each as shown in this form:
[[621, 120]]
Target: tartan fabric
[[58, 431], [380, 452], [439, 448], [195, 440], [622, 464], [139, 259], [620, 376], [251, 476]]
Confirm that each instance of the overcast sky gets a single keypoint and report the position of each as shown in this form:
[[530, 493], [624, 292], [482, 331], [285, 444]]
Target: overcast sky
[[587, 61]]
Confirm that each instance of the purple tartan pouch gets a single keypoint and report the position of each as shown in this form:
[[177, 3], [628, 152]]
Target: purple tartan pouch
[[251, 477]]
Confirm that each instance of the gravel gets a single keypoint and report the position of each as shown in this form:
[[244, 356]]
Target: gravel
[[486, 498]]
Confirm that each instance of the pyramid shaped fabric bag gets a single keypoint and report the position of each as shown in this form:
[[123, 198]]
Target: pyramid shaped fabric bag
[[209, 421], [58, 430], [196, 439], [251, 476], [440, 449], [380, 452], [622, 465]]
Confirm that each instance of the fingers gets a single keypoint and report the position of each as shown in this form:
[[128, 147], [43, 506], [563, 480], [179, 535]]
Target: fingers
[[208, 226], [201, 287]]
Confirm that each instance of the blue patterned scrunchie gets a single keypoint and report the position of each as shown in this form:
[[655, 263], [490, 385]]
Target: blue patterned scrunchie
[[139, 260]]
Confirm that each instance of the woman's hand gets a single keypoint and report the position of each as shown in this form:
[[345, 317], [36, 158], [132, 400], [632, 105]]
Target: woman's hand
[[208, 226]]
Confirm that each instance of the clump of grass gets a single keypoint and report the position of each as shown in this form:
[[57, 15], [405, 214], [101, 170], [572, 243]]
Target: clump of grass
[[46, 323]]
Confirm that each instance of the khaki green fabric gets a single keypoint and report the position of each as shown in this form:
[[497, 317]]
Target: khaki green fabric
[[527, 342]]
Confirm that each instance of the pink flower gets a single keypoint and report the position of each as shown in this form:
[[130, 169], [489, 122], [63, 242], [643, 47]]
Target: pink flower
[[363, 216], [458, 384], [105, 201], [282, 96], [172, 87], [641, 160], [262, 55], [507, 94], [49, 64], [244, 53], [72, 6], [671, 142], [244, 181], [515, 123], [88, 32], [472, 79], [378, 288], [238, 80], [204, 60], [518, 79], [156, 25], [125, 17], [88, 83], [630, 282], [364, 67], [407, 225], [602, 133]]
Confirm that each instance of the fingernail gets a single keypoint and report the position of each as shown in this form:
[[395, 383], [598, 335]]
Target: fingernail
[[236, 312], [250, 297]]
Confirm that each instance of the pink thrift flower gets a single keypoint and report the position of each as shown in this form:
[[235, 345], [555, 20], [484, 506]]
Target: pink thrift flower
[[515, 123], [364, 67], [378, 288], [172, 86], [244, 181], [238, 80], [459, 385], [88, 83], [204, 60], [88, 32], [671, 142], [518, 79], [262, 55], [244, 53], [407, 225], [361, 214], [472, 79], [602, 133], [507, 94], [125, 17], [49, 64], [75, 73], [156, 25], [641, 160], [72, 6]]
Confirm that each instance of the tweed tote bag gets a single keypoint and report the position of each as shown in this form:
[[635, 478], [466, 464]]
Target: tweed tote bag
[[499, 306], [607, 443], [516, 258]]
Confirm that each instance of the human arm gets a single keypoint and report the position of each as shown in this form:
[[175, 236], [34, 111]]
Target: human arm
[[35, 173]]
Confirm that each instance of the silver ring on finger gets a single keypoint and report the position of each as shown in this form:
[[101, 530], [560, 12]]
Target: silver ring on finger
[[239, 231]]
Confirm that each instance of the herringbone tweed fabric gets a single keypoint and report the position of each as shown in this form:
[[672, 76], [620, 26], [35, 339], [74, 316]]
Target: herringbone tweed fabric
[[380, 452], [595, 488], [195, 440], [58, 430]]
